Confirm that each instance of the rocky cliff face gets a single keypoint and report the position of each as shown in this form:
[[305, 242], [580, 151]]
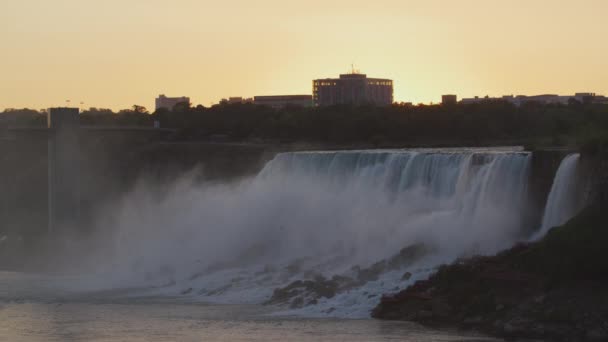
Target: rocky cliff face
[[594, 175], [544, 165]]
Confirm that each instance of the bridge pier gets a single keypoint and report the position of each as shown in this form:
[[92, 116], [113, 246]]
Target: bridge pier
[[63, 167]]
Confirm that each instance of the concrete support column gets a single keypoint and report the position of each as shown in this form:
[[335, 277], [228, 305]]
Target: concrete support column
[[63, 167]]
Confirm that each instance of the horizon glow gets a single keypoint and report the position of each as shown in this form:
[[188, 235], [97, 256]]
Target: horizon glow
[[113, 54]]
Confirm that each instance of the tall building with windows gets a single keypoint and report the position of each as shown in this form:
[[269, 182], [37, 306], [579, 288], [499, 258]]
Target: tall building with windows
[[352, 88]]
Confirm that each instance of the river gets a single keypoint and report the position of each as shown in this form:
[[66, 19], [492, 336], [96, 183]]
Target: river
[[40, 308]]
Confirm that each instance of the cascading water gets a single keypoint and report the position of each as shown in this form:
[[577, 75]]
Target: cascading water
[[469, 188], [561, 204], [321, 213]]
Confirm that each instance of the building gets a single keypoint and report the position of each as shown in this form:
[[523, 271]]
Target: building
[[239, 99], [585, 98], [165, 102], [520, 99], [352, 88], [282, 101], [544, 99], [477, 99], [600, 100], [449, 100], [236, 99]]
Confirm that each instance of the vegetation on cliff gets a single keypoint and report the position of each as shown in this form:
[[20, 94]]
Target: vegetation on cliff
[[556, 288], [487, 123]]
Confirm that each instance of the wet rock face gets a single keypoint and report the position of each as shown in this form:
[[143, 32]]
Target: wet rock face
[[503, 303], [406, 257], [543, 167], [301, 293], [594, 170]]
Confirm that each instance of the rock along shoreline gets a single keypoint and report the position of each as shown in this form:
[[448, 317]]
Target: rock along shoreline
[[555, 289]]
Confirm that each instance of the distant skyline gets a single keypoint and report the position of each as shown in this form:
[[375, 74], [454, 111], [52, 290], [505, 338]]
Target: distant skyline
[[116, 53]]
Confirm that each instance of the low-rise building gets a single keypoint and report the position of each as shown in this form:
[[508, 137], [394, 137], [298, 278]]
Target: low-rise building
[[449, 100], [281, 101], [165, 102], [520, 100], [600, 100], [236, 99], [477, 99], [585, 97]]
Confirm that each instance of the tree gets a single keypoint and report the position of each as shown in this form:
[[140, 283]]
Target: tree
[[573, 102], [181, 107], [140, 109]]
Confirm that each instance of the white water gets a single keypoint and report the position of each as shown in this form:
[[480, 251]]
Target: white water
[[561, 203], [320, 213]]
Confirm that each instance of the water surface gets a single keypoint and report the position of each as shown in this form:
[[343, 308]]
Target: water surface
[[39, 308]]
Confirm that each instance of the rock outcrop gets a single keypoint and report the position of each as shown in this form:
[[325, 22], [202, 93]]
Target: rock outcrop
[[555, 289], [306, 292]]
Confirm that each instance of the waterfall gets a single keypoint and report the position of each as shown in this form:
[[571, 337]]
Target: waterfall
[[561, 203], [470, 185], [311, 213]]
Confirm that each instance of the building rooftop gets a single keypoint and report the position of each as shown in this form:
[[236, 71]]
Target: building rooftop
[[353, 76]]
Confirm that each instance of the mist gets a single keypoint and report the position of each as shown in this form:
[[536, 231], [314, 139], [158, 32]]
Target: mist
[[323, 213]]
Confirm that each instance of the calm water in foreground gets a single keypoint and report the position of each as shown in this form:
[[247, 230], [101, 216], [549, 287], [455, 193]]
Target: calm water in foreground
[[33, 309]]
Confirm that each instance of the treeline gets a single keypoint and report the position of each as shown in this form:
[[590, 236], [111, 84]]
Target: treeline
[[487, 123]]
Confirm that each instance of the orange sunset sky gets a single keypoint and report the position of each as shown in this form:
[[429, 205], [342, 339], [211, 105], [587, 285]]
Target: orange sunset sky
[[116, 53]]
